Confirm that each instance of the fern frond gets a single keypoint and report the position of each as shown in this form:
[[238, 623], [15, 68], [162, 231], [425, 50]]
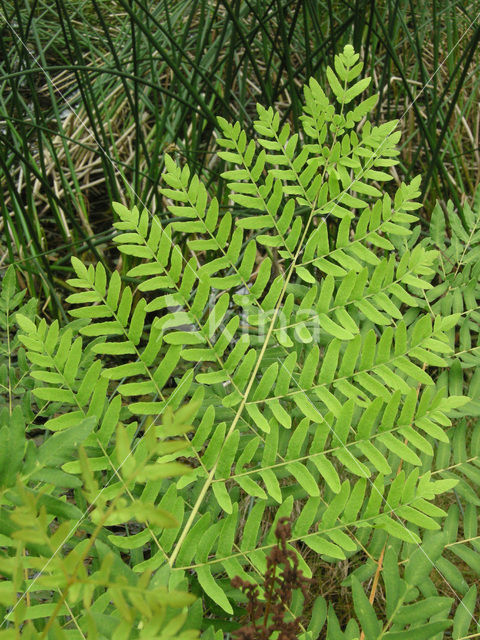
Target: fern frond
[[317, 357]]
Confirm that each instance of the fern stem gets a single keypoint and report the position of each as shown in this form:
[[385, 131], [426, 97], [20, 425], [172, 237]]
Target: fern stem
[[375, 582]]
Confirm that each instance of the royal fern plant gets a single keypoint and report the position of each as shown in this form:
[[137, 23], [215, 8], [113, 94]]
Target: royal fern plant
[[292, 359]]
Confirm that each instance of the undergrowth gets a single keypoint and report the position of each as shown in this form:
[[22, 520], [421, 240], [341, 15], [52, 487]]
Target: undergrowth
[[292, 391]]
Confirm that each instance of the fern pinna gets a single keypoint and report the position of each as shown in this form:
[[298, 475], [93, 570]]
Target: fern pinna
[[294, 330]]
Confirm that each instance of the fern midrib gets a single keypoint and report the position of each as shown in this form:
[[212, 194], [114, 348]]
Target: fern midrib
[[360, 240], [464, 541], [187, 304], [456, 465], [211, 475], [339, 379], [146, 368], [61, 373], [128, 339], [264, 203], [299, 538], [350, 302], [467, 245], [332, 450]]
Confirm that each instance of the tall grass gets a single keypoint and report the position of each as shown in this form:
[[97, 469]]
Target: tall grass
[[93, 92]]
